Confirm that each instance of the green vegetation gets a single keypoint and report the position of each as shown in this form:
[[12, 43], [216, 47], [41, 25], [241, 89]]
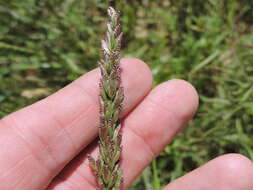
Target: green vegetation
[[45, 44]]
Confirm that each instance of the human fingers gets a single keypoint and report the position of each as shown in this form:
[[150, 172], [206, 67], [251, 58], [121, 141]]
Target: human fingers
[[43, 137], [146, 131]]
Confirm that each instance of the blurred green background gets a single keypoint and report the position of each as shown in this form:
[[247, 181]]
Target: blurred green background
[[45, 44]]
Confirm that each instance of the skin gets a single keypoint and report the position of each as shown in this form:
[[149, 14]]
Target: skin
[[45, 145]]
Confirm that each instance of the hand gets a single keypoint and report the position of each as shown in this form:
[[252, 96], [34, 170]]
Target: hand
[[41, 144]]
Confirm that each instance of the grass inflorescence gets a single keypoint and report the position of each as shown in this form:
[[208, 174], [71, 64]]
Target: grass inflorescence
[[106, 168]]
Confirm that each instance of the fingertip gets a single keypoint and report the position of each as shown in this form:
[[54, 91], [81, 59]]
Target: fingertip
[[138, 68], [229, 171], [139, 83], [234, 161], [136, 82], [189, 97], [179, 96], [234, 167]]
